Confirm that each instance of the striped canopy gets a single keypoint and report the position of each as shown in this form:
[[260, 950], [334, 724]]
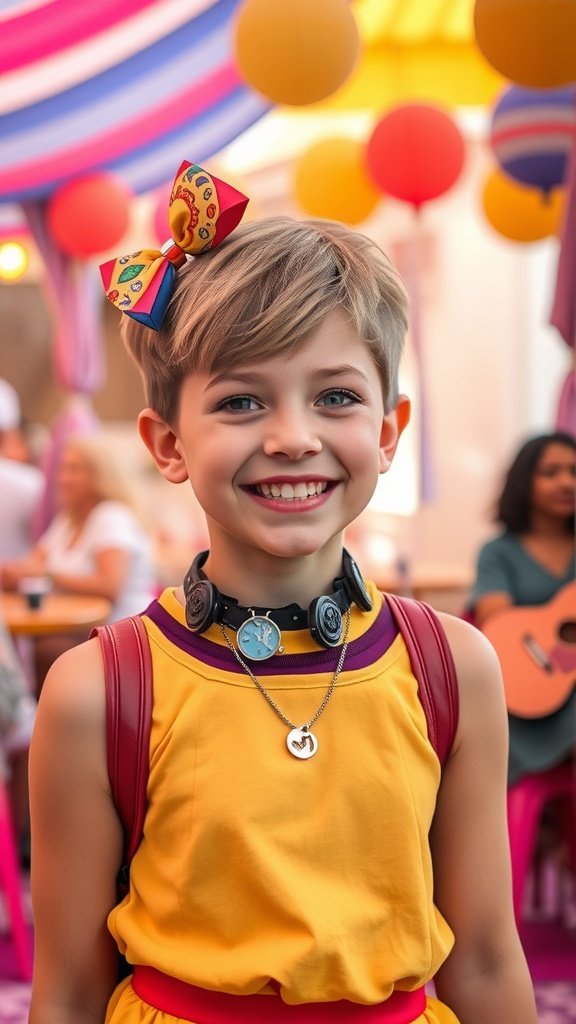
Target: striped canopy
[[131, 88]]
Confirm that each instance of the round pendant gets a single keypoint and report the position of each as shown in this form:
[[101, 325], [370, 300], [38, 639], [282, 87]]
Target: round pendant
[[258, 638], [301, 743]]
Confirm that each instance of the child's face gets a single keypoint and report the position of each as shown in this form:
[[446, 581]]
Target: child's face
[[284, 454]]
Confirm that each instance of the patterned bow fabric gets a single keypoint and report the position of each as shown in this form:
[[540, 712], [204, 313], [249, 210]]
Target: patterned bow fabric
[[202, 211]]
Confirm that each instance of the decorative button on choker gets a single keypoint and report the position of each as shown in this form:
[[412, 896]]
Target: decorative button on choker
[[301, 743]]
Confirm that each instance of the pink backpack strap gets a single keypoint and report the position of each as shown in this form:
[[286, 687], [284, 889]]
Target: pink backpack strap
[[433, 667], [128, 680]]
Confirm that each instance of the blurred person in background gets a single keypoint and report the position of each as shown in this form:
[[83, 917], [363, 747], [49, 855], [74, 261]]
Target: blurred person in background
[[96, 544], [21, 483], [527, 564], [21, 490]]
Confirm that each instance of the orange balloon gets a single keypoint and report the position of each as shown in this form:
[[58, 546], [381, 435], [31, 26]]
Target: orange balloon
[[296, 51], [331, 181], [521, 213], [531, 42]]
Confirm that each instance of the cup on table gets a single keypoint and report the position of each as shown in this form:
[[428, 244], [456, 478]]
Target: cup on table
[[34, 589]]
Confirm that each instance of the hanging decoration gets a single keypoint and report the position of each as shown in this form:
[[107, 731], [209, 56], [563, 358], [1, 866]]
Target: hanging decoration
[[90, 88], [415, 153], [531, 42], [125, 88], [297, 52], [89, 215], [520, 213], [330, 180], [563, 316], [78, 350], [532, 132], [566, 410]]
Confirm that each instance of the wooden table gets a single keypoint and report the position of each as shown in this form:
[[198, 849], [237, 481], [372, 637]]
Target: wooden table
[[422, 579], [60, 613]]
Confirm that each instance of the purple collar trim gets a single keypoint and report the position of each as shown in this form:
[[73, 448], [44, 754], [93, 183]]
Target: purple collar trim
[[361, 652]]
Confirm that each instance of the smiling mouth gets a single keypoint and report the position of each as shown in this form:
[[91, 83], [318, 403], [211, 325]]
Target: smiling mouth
[[301, 491]]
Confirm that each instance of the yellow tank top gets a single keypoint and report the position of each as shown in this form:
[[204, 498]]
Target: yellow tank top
[[259, 872]]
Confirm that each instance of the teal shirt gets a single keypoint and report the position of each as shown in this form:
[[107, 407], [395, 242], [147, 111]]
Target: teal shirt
[[505, 566]]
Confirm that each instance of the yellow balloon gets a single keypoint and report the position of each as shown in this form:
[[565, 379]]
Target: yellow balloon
[[296, 51], [331, 181], [531, 42], [520, 213]]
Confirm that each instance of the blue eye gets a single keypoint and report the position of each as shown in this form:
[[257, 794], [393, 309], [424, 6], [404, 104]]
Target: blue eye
[[239, 403], [338, 398]]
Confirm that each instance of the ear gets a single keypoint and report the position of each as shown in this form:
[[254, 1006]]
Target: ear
[[163, 445], [392, 426]]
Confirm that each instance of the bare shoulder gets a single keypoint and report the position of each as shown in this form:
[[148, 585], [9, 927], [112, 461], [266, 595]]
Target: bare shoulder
[[471, 649], [72, 705], [74, 684], [479, 676]]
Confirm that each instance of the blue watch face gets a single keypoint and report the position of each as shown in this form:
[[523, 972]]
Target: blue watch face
[[258, 638]]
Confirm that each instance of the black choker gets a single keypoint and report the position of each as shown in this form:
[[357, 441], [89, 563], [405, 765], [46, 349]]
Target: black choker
[[259, 630]]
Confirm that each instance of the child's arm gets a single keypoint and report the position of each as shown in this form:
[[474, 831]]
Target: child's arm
[[76, 845], [486, 977]]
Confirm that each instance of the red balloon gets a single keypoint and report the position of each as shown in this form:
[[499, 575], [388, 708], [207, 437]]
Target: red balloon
[[160, 220], [89, 215], [415, 153]]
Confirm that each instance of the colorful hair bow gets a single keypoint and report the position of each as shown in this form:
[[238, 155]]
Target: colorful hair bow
[[202, 211]]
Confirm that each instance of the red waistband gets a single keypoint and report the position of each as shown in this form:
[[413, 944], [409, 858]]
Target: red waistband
[[205, 1007]]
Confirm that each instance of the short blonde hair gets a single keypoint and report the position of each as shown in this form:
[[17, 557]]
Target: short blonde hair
[[264, 291]]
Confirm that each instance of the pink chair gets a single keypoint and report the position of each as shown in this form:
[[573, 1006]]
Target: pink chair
[[11, 887], [526, 801]]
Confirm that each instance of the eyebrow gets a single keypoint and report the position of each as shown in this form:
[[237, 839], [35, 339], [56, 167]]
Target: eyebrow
[[244, 377]]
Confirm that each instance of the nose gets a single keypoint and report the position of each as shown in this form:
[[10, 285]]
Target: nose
[[291, 434]]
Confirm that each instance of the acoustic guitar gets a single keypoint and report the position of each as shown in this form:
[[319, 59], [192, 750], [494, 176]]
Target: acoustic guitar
[[536, 646]]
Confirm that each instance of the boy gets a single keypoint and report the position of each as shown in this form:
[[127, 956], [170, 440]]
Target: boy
[[325, 890]]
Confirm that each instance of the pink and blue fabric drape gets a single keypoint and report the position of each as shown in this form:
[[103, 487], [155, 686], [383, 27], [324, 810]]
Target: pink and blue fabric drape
[[130, 88]]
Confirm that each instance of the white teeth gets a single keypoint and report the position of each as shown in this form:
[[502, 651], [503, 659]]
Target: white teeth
[[291, 492]]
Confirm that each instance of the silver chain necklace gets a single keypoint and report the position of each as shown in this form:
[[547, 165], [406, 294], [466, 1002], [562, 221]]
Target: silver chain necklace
[[300, 741]]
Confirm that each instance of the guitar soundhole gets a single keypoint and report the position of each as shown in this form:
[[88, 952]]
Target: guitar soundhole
[[567, 631]]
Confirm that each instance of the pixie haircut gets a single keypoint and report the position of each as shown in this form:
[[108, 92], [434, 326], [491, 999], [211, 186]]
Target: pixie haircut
[[514, 506], [263, 292]]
